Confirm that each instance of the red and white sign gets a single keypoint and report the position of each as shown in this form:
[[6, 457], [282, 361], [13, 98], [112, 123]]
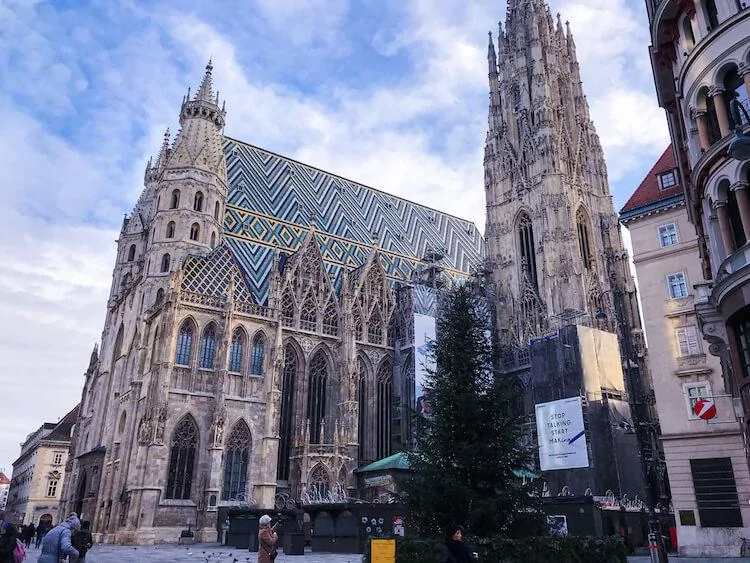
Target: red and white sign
[[705, 409]]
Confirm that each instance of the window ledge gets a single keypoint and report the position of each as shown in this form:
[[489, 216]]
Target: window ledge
[[176, 502]]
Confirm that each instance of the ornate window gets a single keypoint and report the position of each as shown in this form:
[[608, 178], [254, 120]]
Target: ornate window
[[217, 209], [52, 486], [584, 238], [236, 463], [320, 483], [195, 231], [287, 308], [198, 202], [170, 229], [256, 361], [208, 347], [165, 263], [527, 249], [182, 459], [175, 202], [362, 402], [308, 317], [358, 331], [184, 344], [237, 351], [131, 253], [287, 412], [375, 328], [384, 405], [316, 397], [331, 319]]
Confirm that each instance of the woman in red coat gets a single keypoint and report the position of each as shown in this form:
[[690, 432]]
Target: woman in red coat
[[267, 539]]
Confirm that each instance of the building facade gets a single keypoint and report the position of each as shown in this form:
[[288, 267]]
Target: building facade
[[39, 474], [258, 345], [668, 266], [4, 489], [553, 244]]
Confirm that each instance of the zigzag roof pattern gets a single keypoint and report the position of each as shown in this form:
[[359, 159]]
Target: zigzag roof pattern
[[275, 202]]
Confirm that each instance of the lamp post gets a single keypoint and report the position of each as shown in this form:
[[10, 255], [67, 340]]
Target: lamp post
[[739, 146]]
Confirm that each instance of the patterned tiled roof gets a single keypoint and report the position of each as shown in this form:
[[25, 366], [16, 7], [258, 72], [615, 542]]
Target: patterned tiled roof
[[649, 192], [274, 203]]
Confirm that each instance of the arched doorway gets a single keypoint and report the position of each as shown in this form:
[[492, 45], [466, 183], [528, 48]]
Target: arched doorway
[[81, 495], [46, 521]]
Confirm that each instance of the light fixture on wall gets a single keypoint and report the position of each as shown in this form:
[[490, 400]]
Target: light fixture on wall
[[739, 146]]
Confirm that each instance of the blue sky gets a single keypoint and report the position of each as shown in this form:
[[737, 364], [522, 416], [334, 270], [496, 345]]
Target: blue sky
[[391, 93]]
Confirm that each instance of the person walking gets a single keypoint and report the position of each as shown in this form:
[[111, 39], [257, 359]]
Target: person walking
[[28, 534], [83, 541], [267, 539], [8, 542], [455, 550], [41, 529], [57, 542]]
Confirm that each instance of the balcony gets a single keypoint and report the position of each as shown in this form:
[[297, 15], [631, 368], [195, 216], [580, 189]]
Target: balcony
[[733, 274]]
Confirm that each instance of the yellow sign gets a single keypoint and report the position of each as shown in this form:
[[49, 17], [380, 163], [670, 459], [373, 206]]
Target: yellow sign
[[383, 551]]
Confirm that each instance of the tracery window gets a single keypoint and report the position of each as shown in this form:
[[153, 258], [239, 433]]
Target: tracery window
[[182, 459], [384, 406], [362, 402], [287, 308], [256, 362], [320, 483], [236, 463], [375, 328], [208, 347], [195, 231], [131, 253], [308, 318], [237, 351], [331, 319], [184, 344], [584, 238], [198, 202], [175, 203], [527, 248], [316, 398], [358, 331], [287, 412]]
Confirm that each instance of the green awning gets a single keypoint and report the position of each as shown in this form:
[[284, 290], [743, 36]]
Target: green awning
[[395, 461]]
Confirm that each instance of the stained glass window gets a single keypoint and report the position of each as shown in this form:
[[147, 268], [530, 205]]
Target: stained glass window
[[184, 344], [316, 398], [256, 363], [236, 463], [208, 348], [362, 402], [384, 405], [182, 459], [287, 408], [236, 351]]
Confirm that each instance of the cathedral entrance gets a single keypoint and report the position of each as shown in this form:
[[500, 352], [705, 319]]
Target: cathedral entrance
[[78, 507]]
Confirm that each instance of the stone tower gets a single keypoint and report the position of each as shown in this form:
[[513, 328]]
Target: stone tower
[[553, 245]]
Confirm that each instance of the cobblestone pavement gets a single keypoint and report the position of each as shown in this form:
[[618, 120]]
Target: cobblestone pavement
[[199, 553]]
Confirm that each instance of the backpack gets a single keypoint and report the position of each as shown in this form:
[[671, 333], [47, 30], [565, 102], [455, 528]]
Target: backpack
[[19, 554]]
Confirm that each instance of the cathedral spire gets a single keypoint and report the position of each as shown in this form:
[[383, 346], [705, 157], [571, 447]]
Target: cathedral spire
[[161, 161], [206, 89]]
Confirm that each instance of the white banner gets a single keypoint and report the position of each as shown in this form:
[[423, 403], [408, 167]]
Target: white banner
[[424, 340], [562, 439]]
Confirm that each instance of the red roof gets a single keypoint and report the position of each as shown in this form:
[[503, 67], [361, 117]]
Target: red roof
[[4, 479], [650, 191]]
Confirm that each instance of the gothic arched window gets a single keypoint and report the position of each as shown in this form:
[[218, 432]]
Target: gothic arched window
[[175, 203], [375, 328], [256, 361], [237, 350], [182, 459], [217, 209], [198, 202], [316, 397], [117, 349], [384, 405], [362, 402], [584, 238], [331, 319], [159, 296], [308, 317], [236, 463], [208, 347], [287, 412], [195, 231], [357, 318], [287, 308], [170, 229], [131, 253], [165, 263], [320, 483], [527, 249], [184, 344]]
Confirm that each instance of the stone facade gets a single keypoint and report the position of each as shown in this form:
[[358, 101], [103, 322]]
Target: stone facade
[[257, 344]]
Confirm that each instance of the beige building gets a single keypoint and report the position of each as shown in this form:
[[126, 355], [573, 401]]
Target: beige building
[[39, 472], [4, 488], [705, 458]]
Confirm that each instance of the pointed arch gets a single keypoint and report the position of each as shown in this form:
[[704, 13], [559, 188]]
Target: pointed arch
[[159, 296], [117, 348], [527, 248], [208, 347], [155, 347], [286, 418], [236, 462], [183, 447], [195, 231], [375, 327], [170, 229], [184, 352], [364, 413], [258, 354], [217, 210], [585, 246], [331, 318], [237, 350], [213, 239], [384, 409], [287, 307], [320, 482], [316, 395], [198, 201], [175, 201], [165, 261], [308, 317], [131, 253]]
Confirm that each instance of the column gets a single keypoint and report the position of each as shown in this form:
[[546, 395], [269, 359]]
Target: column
[[725, 227], [743, 202], [722, 112], [702, 123]]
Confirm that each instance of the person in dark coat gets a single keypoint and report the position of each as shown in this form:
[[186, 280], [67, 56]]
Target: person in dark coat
[[83, 541], [455, 550], [8, 540], [28, 534], [41, 529]]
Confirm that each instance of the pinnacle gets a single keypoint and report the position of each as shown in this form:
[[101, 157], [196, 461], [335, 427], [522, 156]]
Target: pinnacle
[[205, 91]]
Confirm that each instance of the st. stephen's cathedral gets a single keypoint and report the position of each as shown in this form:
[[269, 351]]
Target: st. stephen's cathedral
[[259, 334]]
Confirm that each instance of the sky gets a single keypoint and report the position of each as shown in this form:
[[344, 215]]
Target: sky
[[390, 93]]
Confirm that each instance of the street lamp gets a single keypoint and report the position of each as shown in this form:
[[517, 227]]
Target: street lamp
[[739, 146]]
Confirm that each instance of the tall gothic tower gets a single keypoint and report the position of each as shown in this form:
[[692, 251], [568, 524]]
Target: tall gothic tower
[[553, 243]]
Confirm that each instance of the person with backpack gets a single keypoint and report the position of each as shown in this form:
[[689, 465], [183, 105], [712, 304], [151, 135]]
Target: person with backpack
[[57, 542], [11, 548], [83, 541]]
